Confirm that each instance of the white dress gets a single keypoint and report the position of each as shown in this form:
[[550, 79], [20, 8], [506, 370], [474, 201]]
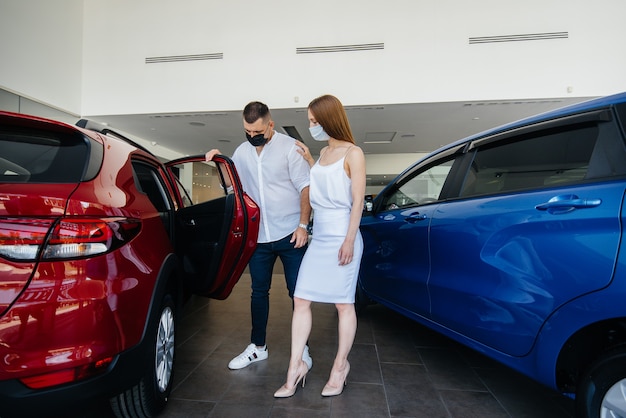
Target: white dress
[[321, 278]]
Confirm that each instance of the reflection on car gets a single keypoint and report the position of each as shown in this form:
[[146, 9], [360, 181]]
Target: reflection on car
[[511, 242]]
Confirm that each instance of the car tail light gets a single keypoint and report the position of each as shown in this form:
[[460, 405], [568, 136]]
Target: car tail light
[[60, 377], [70, 238]]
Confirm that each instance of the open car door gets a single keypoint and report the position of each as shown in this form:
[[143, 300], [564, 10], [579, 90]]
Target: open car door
[[216, 224]]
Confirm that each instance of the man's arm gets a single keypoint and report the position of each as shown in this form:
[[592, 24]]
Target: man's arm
[[301, 235]]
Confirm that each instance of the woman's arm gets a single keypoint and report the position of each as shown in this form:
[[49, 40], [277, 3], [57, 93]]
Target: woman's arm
[[355, 168]]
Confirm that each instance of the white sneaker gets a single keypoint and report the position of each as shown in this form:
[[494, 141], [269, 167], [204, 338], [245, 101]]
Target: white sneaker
[[306, 357], [250, 355]]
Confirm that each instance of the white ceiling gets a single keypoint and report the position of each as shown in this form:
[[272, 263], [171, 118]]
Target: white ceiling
[[413, 128]]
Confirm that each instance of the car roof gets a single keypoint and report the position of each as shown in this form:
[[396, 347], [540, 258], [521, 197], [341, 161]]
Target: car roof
[[585, 106], [588, 105]]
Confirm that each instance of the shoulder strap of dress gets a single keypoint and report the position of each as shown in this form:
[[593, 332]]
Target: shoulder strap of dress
[[348, 150]]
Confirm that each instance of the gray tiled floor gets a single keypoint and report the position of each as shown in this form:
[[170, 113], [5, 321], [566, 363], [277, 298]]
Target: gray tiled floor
[[399, 369]]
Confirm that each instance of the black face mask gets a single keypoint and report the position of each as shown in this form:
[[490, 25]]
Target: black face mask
[[256, 140]]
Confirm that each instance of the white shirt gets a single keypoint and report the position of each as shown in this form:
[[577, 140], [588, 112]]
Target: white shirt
[[274, 179]]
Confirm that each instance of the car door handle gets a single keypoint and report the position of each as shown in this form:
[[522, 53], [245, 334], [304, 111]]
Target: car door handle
[[414, 217], [562, 204]]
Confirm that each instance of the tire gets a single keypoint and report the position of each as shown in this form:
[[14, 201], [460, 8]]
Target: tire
[[602, 391], [149, 397]]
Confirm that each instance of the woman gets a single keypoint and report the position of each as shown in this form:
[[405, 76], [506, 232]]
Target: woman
[[330, 267]]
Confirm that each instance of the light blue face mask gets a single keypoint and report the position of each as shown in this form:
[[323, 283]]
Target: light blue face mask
[[318, 133]]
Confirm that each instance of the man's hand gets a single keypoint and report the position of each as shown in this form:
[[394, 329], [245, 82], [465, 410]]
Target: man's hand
[[300, 237], [209, 155]]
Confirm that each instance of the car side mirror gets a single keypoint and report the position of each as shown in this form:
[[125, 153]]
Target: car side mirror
[[368, 205]]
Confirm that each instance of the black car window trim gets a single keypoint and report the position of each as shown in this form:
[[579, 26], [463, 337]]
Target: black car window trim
[[164, 203], [96, 127], [620, 111], [608, 159], [458, 175], [529, 176], [605, 161], [599, 118], [95, 152], [426, 164], [601, 115]]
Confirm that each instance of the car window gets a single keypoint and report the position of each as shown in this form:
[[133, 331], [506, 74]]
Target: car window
[[32, 157], [422, 187], [547, 159], [149, 182], [199, 181]]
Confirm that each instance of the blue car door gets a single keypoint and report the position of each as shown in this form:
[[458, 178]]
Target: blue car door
[[396, 262], [537, 226]]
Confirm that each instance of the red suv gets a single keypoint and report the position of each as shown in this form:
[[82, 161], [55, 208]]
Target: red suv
[[100, 245]]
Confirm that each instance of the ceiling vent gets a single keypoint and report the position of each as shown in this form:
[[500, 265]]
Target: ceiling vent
[[514, 102], [379, 137], [182, 58], [517, 38], [188, 115], [340, 48]]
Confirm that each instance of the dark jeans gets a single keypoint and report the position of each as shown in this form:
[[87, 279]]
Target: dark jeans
[[261, 266]]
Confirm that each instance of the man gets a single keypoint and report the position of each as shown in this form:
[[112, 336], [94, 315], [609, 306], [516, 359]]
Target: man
[[276, 176]]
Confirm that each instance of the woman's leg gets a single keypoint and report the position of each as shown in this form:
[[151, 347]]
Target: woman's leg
[[301, 323], [347, 331]]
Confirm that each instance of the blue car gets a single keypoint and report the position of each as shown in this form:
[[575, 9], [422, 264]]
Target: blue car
[[511, 242]]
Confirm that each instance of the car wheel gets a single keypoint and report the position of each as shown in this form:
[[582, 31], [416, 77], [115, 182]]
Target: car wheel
[[149, 397], [602, 391]]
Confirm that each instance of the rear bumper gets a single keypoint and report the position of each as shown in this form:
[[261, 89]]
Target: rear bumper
[[17, 400]]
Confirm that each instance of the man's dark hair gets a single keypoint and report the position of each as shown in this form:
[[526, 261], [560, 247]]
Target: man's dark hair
[[255, 111]]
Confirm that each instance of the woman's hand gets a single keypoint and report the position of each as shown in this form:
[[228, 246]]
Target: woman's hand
[[346, 252], [305, 152]]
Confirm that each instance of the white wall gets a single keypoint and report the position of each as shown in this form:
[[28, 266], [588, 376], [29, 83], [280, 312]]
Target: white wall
[[426, 58], [390, 163], [41, 50], [87, 57]]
